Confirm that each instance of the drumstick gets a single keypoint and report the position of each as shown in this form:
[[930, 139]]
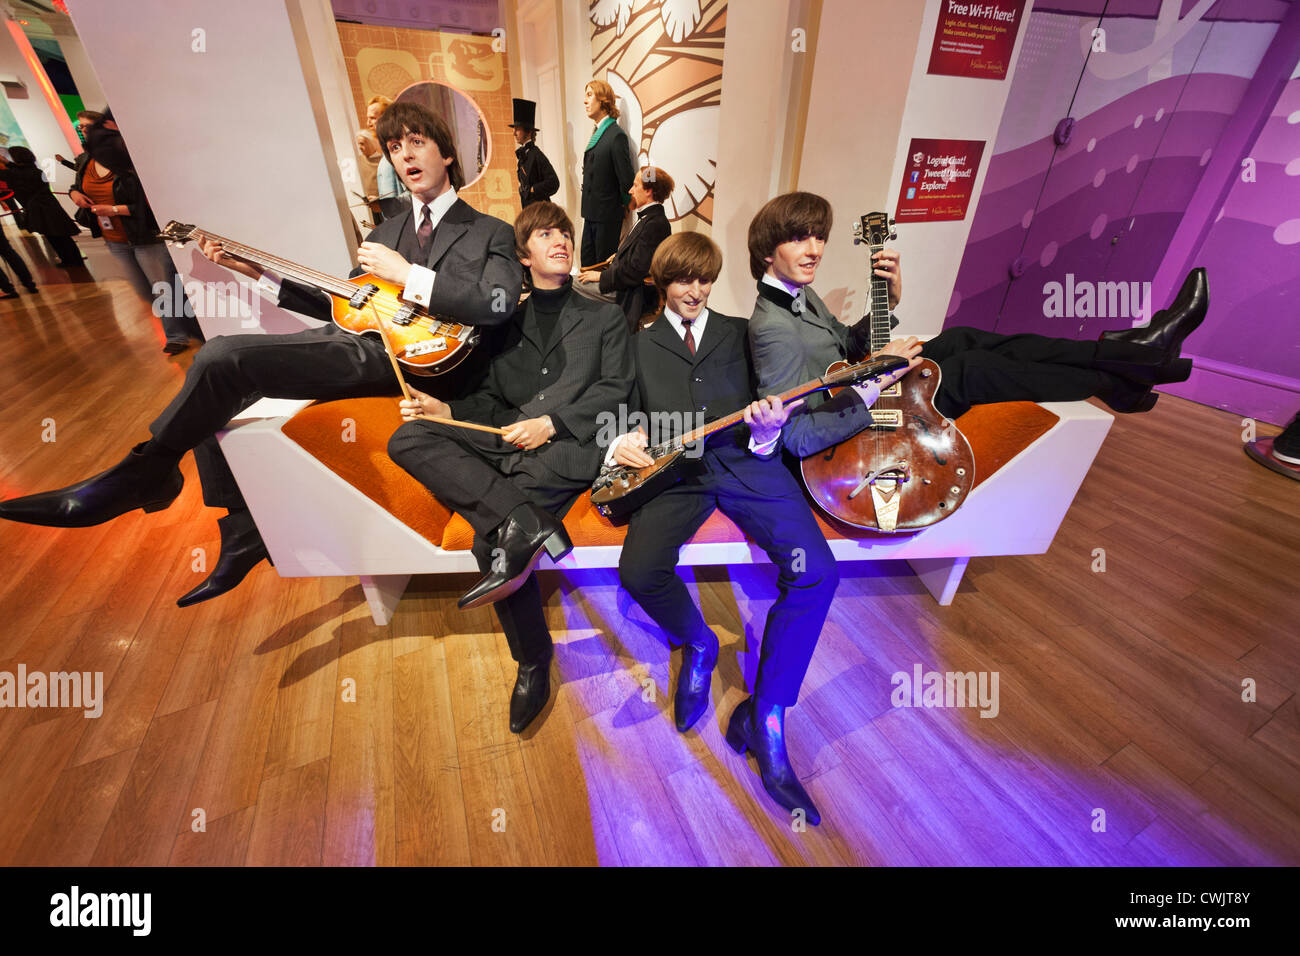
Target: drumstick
[[406, 392]]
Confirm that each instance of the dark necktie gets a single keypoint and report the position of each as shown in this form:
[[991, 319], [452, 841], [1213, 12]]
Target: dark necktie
[[426, 228], [690, 338]]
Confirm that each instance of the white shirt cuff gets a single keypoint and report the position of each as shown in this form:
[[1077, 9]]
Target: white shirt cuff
[[765, 448], [419, 285], [613, 447], [269, 285]]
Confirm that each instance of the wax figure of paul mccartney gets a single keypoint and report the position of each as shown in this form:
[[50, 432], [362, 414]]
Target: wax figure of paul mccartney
[[693, 363], [447, 256], [564, 367]]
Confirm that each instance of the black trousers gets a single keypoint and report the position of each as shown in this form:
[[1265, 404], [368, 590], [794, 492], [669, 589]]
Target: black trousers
[[782, 525], [982, 367], [483, 479], [233, 371], [599, 239], [11, 256]]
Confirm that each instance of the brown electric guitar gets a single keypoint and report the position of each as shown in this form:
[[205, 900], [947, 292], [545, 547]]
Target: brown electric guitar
[[912, 467], [425, 344]]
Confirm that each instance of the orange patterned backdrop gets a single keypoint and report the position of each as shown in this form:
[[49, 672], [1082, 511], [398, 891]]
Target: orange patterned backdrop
[[386, 60], [664, 60]]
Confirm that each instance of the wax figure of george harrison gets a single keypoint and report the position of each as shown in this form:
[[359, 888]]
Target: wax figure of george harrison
[[693, 362], [565, 366], [447, 256], [794, 337]]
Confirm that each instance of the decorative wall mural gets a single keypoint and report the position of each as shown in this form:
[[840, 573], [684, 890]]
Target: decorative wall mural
[[663, 59], [388, 60]]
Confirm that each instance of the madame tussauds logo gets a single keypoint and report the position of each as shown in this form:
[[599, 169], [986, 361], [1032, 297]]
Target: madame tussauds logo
[[1100, 300], [84, 689]]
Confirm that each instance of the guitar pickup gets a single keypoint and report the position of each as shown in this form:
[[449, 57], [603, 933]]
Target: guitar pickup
[[436, 344], [362, 295], [886, 418]]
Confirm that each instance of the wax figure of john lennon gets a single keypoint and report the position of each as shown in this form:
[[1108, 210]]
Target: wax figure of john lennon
[[446, 256]]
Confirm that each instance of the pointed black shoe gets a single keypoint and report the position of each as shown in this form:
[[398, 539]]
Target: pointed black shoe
[[532, 691], [1170, 326], [768, 744], [140, 480], [241, 551], [692, 697], [520, 542]]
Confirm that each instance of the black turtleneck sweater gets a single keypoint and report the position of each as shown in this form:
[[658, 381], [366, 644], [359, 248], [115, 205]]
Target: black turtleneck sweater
[[547, 304]]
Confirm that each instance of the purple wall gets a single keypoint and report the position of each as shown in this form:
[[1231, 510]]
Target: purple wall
[[1107, 206]]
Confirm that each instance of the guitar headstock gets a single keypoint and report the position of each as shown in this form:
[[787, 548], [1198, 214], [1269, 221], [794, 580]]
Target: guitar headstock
[[875, 229], [178, 232]]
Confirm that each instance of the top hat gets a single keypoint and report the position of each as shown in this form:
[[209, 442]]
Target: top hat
[[525, 114]]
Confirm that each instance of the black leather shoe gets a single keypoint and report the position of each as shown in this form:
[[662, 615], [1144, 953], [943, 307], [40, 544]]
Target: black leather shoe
[[1170, 326], [1127, 397], [520, 542], [692, 698], [140, 480], [241, 551], [767, 739], [532, 691]]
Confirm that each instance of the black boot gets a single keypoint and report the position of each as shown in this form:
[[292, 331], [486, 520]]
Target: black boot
[[692, 698], [1140, 363], [147, 478], [519, 544], [760, 727], [532, 691], [1170, 326], [241, 551]]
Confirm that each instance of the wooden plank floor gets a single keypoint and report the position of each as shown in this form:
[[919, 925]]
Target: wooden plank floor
[[229, 735]]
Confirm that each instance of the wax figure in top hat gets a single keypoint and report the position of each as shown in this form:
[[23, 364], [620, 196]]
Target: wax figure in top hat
[[537, 179], [447, 256], [795, 336]]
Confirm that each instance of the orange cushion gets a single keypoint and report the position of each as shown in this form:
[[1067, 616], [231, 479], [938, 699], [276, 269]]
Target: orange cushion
[[997, 433]]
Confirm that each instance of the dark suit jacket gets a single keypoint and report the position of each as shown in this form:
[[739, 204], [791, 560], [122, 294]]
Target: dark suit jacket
[[625, 276], [794, 341], [479, 277], [607, 175], [718, 380], [537, 179], [580, 378]]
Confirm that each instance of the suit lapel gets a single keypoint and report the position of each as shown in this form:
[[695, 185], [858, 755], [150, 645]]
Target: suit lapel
[[570, 316], [454, 224], [663, 334], [715, 333]]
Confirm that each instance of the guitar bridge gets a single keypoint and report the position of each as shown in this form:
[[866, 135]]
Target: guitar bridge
[[436, 344]]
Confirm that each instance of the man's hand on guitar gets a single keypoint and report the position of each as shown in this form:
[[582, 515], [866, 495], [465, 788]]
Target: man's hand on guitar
[[888, 264], [629, 450], [213, 250], [766, 416], [383, 263], [908, 348], [530, 433], [423, 405]]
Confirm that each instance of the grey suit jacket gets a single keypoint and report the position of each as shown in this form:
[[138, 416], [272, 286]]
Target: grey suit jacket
[[794, 341], [580, 378], [479, 278]]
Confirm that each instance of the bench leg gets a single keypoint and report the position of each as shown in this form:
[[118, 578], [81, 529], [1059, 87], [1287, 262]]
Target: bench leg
[[382, 592], [941, 576]]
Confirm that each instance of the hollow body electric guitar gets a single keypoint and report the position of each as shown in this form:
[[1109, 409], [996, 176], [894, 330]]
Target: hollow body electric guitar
[[424, 344], [912, 467], [621, 490]]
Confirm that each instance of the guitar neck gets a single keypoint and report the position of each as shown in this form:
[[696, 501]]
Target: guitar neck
[[282, 267], [735, 418], [880, 326]]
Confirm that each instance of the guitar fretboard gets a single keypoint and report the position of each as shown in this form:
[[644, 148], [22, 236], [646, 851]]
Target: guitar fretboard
[[281, 266]]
